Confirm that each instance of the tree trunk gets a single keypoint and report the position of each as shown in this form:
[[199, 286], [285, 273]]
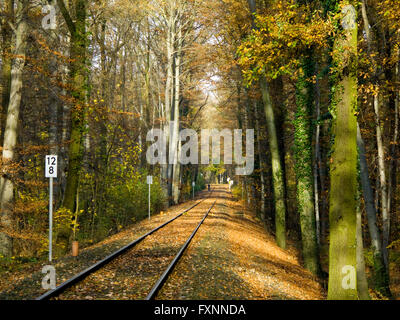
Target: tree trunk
[[6, 62], [11, 130], [53, 105], [381, 153], [64, 113], [304, 168], [102, 162], [102, 152], [165, 168], [262, 175], [277, 172], [78, 75], [362, 283], [317, 159], [176, 140], [383, 183], [381, 278], [344, 190]]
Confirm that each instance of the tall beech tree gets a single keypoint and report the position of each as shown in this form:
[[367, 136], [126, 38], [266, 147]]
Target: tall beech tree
[[277, 170], [76, 24], [304, 161], [8, 175], [344, 186]]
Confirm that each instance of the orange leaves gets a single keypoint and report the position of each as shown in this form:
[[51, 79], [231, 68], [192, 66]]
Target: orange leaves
[[46, 48]]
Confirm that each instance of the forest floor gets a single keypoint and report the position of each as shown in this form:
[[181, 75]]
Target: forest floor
[[231, 257]]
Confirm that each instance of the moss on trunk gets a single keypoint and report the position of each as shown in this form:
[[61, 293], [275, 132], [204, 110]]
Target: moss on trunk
[[304, 162], [344, 187], [78, 76]]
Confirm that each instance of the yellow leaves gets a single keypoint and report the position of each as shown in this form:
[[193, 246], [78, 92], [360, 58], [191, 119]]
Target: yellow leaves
[[389, 10], [43, 135], [74, 225], [283, 32]]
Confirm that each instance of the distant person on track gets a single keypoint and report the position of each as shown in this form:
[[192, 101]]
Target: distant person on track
[[209, 187]]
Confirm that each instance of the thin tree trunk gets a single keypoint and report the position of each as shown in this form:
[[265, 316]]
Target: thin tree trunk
[[393, 168], [102, 163], [394, 149], [262, 176], [381, 278], [64, 113], [383, 183], [53, 108], [176, 143], [165, 168], [102, 156], [362, 283], [317, 157], [6, 62], [277, 171]]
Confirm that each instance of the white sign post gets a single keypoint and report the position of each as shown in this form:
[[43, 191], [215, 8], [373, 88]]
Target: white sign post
[[193, 185], [149, 182], [51, 172]]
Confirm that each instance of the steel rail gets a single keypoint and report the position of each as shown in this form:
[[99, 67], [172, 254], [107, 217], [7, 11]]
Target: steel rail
[[85, 273], [172, 265]]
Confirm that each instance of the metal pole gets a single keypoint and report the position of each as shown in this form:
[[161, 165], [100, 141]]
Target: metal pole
[[149, 200], [50, 219]]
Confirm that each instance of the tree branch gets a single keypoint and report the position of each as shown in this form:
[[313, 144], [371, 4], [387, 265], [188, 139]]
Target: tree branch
[[67, 16]]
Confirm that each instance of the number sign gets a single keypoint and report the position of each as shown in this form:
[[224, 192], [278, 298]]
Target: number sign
[[51, 166]]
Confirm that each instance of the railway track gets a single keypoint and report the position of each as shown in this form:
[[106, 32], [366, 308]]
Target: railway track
[[179, 255], [112, 257]]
